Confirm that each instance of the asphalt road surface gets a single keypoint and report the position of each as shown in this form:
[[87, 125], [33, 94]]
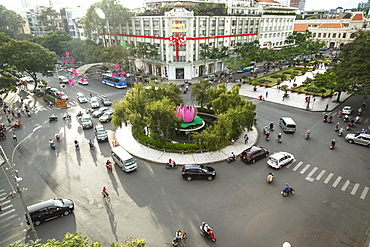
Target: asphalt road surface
[[153, 202]]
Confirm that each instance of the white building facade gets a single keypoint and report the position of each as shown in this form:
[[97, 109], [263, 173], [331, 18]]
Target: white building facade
[[179, 34]]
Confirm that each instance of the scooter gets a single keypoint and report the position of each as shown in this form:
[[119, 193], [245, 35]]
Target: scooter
[[332, 145], [285, 193], [210, 235], [92, 146], [67, 117], [330, 119], [270, 177], [308, 135], [267, 137], [52, 145], [58, 138], [53, 118], [340, 132], [171, 166], [109, 166], [176, 241], [231, 159]]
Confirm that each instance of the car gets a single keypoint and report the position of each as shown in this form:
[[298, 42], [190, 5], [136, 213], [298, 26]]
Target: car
[[254, 153], [49, 209], [100, 133], [248, 69], [61, 95], [84, 82], [51, 90], [347, 110], [26, 79], [86, 121], [81, 98], [363, 139], [198, 171], [106, 102], [94, 102], [279, 159], [106, 117], [101, 111], [62, 79]]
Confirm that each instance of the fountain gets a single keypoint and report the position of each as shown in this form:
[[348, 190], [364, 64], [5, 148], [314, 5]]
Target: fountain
[[191, 120]]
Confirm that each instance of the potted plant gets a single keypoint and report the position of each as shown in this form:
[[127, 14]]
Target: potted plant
[[285, 89], [254, 84], [294, 84]]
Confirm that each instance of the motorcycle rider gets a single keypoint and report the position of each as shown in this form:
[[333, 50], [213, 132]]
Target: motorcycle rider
[[109, 166], [57, 136], [264, 130], [179, 235], [279, 137], [76, 144], [346, 117], [271, 126], [325, 117], [171, 162], [357, 119], [333, 142], [287, 188], [91, 143], [337, 126], [206, 228], [51, 142], [330, 119], [341, 130], [232, 156], [270, 176], [308, 133], [267, 134]]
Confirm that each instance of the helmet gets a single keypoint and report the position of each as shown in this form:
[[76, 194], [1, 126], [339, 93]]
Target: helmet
[[203, 223], [286, 184]]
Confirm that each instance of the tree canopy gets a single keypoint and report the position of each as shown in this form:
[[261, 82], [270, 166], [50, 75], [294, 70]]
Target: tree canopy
[[49, 18], [10, 21]]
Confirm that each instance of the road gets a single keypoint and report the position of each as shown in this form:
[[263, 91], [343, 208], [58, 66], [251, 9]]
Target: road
[[154, 202]]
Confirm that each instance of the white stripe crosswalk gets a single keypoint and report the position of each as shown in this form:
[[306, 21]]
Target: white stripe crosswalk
[[330, 178]]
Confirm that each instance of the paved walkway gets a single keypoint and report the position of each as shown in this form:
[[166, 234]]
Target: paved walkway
[[126, 140]]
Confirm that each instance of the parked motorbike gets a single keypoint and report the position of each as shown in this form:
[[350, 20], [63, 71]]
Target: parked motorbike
[[285, 193], [53, 118], [176, 241], [173, 165], [270, 177], [267, 137], [210, 235]]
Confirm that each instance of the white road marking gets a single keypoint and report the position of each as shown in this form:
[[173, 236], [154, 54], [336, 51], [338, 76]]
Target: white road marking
[[354, 190], [363, 195], [320, 175], [336, 182], [297, 166], [344, 187], [328, 178], [312, 172], [305, 169]]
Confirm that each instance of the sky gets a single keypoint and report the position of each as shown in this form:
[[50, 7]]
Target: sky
[[310, 4]]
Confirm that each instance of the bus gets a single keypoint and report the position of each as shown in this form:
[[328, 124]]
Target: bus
[[114, 81]]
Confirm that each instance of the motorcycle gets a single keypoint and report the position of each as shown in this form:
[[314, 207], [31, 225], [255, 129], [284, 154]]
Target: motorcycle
[[173, 165], [330, 119], [332, 145], [210, 235], [346, 118], [17, 125], [53, 118], [176, 241], [57, 137], [270, 177], [267, 137], [231, 159], [287, 192], [340, 132], [109, 166], [325, 118], [279, 139], [79, 114], [67, 117], [349, 126], [92, 146], [308, 135]]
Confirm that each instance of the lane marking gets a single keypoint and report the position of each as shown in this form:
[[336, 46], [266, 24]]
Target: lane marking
[[328, 178], [312, 172], [336, 182], [305, 169], [344, 187], [297, 166], [363, 195], [354, 190], [320, 175]]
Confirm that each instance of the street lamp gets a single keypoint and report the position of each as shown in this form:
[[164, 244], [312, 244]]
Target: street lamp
[[18, 179]]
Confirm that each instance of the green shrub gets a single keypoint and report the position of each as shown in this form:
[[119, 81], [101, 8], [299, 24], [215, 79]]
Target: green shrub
[[153, 78], [40, 94], [51, 98], [275, 76], [205, 110]]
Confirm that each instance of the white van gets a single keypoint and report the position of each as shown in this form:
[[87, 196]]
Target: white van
[[123, 159], [287, 124]]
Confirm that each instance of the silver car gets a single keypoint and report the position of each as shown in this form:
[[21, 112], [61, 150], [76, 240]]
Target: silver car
[[363, 139]]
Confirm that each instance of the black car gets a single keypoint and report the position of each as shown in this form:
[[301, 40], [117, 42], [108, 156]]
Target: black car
[[197, 171], [253, 154], [106, 102], [49, 209]]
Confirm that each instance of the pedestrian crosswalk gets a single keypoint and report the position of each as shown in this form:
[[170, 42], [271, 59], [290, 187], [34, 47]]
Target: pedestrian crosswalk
[[329, 178]]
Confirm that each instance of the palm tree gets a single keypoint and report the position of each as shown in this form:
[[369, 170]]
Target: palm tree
[[153, 53], [205, 53]]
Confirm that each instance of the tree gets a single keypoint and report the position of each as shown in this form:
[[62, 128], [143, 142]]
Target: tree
[[205, 53], [199, 92], [28, 57], [10, 21], [75, 239], [49, 18], [153, 53], [56, 42], [352, 72]]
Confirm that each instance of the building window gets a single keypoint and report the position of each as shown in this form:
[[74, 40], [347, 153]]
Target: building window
[[233, 31], [324, 35], [233, 23], [203, 23], [314, 35], [146, 23], [156, 33], [344, 36], [138, 32], [146, 32], [137, 23], [221, 32], [221, 23], [213, 23], [156, 23], [252, 22], [319, 35], [181, 59], [334, 35]]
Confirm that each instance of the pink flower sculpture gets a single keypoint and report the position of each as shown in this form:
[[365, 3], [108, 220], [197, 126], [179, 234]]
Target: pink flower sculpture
[[70, 80], [187, 113], [114, 75], [82, 79]]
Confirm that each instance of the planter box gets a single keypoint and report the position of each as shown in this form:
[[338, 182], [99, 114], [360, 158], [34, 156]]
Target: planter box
[[254, 89]]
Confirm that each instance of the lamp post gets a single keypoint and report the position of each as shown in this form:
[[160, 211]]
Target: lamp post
[[18, 179]]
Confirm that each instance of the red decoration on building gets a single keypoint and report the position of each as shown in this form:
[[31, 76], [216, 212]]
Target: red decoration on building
[[178, 40]]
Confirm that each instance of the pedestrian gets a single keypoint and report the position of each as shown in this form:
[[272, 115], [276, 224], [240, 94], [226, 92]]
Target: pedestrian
[[326, 107], [14, 137], [267, 93], [7, 117], [246, 138], [4, 110], [283, 97], [8, 110], [295, 78], [21, 99], [13, 114], [90, 94]]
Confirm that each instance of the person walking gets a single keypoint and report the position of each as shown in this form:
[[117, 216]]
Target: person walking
[[326, 107], [90, 94], [7, 117], [267, 93], [14, 137], [246, 138], [13, 114]]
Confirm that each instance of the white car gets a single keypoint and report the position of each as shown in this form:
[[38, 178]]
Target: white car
[[347, 110], [279, 159], [63, 79], [81, 98], [85, 82], [94, 102]]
